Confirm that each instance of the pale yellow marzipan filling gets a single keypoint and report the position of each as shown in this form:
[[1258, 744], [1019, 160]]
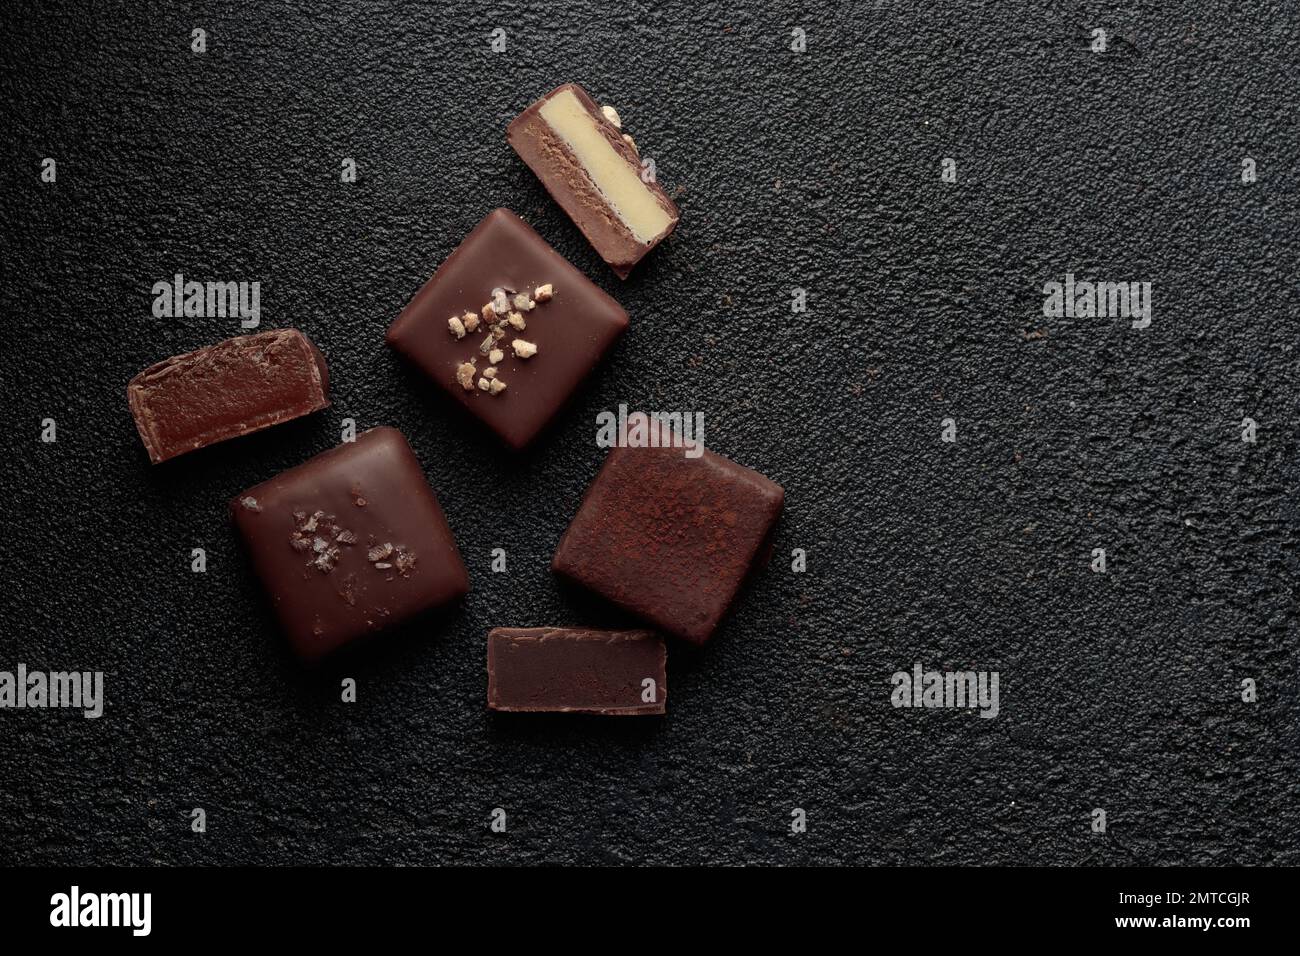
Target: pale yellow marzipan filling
[[616, 179]]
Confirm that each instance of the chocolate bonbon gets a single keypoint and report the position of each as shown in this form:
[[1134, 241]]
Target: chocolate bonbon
[[235, 387], [350, 542], [576, 670], [593, 170], [508, 328], [670, 537]]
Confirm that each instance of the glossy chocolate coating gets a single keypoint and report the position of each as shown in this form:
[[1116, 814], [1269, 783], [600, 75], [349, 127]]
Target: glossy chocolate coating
[[572, 331], [559, 171], [222, 391], [576, 670], [668, 537], [350, 542]]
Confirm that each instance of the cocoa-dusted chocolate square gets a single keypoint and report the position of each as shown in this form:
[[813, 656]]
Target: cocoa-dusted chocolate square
[[350, 542], [670, 537], [508, 327]]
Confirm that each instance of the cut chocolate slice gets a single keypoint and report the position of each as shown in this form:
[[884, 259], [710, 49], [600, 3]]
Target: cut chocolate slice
[[668, 537], [350, 542], [576, 671], [594, 173], [235, 387], [508, 328]]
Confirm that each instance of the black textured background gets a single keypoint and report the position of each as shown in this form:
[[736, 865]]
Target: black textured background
[[818, 170]]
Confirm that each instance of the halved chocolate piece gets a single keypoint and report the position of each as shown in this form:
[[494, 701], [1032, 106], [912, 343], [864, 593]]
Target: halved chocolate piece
[[508, 328], [576, 671], [235, 387], [349, 543], [587, 165], [668, 537]]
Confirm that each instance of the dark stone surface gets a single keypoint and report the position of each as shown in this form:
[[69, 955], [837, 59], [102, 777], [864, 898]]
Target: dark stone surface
[[818, 170]]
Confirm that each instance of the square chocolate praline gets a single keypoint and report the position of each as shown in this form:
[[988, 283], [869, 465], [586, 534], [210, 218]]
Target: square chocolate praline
[[572, 330], [670, 538], [351, 542]]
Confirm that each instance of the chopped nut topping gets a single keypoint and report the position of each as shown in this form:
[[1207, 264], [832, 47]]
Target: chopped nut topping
[[299, 543], [251, 503], [345, 537], [379, 552], [456, 326], [383, 565], [504, 313], [611, 114], [631, 142]]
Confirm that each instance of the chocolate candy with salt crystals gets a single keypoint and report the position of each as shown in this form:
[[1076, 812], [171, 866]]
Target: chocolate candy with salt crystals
[[349, 543]]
